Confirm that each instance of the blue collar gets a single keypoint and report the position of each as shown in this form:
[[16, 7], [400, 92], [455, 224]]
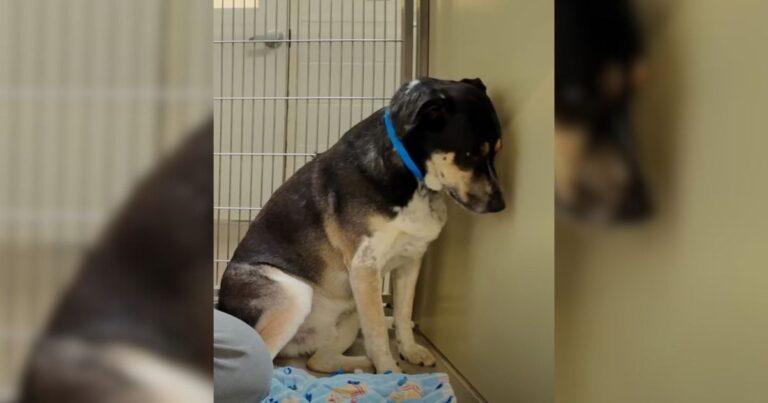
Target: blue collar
[[400, 148]]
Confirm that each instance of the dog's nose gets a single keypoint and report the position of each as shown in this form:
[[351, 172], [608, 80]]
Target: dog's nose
[[495, 203], [635, 210], [636, 205]]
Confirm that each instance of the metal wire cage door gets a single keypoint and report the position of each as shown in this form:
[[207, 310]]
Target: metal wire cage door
[[290, 77]]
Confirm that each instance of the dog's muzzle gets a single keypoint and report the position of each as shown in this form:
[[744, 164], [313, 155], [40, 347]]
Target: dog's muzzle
[[490, 203], [495, 203]]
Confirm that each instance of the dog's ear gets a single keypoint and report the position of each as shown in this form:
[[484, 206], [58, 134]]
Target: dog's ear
[[432, 114], [475, 82], [420, 107]]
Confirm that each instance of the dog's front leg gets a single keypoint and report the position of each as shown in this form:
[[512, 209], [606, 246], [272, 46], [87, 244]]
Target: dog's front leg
[[404, 281], [365, 280]]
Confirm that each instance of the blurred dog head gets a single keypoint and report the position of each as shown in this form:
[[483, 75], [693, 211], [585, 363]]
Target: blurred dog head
[[598, 69]]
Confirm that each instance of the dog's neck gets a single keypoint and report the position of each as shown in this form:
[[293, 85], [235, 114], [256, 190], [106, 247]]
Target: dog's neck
[[380, 163]]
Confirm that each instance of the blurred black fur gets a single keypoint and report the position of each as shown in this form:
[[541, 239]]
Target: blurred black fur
[[598, 59], [591, 32], [146, 284]]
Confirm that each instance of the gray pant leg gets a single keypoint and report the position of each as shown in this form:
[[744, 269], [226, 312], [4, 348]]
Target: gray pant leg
[[242, 367]]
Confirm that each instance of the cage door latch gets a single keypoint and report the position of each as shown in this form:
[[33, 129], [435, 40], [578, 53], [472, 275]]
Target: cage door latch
[[272, 39]]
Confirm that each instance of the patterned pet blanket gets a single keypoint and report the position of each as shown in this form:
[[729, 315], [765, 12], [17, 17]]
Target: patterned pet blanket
[[293, 385]]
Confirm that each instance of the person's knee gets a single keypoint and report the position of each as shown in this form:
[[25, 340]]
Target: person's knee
[[242, 363]]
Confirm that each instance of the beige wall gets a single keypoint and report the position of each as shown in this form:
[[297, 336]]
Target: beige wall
[[486, 297], [675, 310]]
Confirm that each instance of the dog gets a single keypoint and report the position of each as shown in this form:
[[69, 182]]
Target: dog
[[308, 273], [135, 324], [598, 68]]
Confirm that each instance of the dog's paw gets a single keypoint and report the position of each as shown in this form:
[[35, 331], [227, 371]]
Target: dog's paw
[[416, 354], [329, 364], [389, 367]]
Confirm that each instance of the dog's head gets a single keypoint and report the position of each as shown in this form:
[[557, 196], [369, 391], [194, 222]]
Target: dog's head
[[451, 130], [598, 69]]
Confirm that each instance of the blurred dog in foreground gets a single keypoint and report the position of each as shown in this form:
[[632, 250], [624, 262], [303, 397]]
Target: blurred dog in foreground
[[598, 68], [135, 324]]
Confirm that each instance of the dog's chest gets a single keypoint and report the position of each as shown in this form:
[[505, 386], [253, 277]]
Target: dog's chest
[[407, 235]]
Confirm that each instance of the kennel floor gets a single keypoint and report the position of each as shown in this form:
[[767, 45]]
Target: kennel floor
[[461, 387]]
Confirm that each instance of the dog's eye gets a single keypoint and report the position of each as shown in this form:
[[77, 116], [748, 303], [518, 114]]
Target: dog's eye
[[469, 156]]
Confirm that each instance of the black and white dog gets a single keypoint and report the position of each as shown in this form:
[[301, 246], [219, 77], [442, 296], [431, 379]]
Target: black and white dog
[[307, 276], [598, 68]]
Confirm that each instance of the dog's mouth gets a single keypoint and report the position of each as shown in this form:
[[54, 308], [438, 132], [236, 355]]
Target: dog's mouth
[[471, 206], [479, 205], [455, 195]]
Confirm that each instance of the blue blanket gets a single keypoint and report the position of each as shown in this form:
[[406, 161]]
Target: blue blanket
[[293, 385]]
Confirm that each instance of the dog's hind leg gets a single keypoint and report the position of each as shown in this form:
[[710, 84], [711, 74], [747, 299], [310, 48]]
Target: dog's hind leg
[[279, 323], [268, 299], [330, 357]]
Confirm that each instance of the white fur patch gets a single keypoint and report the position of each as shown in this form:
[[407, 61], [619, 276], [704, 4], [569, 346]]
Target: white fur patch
[[320, 327], [298, 290], [412, 85], [407, 236], [163, 381]]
